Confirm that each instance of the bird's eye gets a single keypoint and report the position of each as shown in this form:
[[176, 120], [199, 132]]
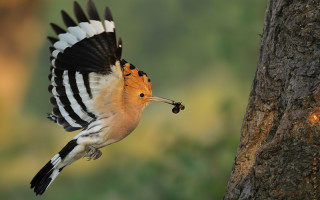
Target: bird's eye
[[141, 95]]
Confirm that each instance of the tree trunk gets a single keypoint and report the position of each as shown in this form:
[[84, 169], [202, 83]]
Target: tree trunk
[[279, 152]]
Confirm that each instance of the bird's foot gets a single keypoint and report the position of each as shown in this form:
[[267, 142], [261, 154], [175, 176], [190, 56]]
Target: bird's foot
[[93, 153]]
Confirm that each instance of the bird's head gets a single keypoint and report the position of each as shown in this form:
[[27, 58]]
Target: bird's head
[[138, 89]]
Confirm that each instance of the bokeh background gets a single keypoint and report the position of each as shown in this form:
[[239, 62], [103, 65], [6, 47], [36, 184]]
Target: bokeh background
[[203, 53]]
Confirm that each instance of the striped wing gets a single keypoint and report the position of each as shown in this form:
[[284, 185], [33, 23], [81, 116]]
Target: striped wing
[[87, 49]]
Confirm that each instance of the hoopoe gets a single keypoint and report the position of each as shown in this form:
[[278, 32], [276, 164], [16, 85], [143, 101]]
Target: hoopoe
[[93, 89]]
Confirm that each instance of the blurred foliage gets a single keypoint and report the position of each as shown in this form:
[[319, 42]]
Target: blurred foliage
[[203, 53]]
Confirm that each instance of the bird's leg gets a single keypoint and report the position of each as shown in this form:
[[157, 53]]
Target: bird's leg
[[93, 153]]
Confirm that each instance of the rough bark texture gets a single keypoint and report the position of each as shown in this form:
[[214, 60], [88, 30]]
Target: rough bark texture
[[279, 152]]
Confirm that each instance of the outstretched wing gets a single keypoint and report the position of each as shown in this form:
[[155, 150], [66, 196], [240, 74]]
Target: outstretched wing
[[83, 52]]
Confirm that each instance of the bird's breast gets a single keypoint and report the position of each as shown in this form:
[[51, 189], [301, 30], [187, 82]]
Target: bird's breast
[[119, 126]]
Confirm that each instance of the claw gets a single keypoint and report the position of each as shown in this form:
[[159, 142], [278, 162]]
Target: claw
[[93, 153]]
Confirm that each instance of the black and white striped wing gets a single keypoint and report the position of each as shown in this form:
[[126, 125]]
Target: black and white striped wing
[[85, 50]]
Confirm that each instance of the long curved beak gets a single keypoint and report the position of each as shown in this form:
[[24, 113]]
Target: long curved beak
[[177, 105], [160, 99]]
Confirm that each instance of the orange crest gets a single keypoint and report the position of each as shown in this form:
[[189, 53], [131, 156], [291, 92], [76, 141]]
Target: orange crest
[[135, 80]]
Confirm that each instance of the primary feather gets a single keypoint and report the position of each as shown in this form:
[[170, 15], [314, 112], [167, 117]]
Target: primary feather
[[85, 48]]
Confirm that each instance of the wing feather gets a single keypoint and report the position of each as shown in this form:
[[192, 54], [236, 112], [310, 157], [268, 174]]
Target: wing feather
[[82, 52]]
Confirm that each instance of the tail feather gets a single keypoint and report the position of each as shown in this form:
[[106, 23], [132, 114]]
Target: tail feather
[[44, 177], [51, 170]]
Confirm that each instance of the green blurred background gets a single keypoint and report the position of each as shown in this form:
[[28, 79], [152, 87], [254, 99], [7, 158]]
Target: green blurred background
[[203, 53]]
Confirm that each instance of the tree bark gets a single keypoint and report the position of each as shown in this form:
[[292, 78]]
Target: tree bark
[[279, 152]]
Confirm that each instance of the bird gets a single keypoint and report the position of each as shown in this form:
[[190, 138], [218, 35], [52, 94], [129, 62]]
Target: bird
[[93, 89]]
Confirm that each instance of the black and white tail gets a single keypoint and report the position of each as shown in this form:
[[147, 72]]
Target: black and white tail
[[51, 170]]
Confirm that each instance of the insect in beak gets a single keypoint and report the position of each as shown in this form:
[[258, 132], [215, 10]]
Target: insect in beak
[[177, 105]]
